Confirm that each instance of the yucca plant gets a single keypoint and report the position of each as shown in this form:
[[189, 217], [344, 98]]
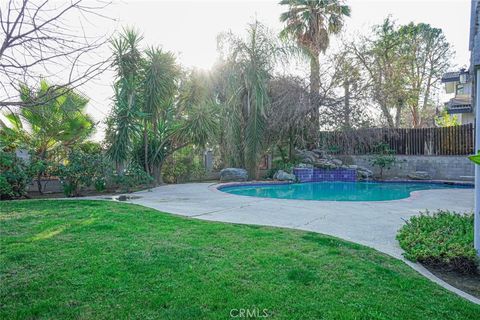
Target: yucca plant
[[123, 125], [159, 87]]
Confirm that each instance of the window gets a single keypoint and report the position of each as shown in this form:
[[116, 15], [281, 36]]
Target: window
[[460, 89]]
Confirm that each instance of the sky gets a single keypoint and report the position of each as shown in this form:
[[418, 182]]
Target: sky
[[190, 28]]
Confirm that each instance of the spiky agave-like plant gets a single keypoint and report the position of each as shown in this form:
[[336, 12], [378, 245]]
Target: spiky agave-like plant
[[123, 124], [159, 87]]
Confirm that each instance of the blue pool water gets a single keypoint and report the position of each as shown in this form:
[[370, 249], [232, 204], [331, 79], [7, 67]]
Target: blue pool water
[[337, 191]]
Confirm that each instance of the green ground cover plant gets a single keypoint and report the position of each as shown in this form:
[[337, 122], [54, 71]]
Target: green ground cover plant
[[442, 239]]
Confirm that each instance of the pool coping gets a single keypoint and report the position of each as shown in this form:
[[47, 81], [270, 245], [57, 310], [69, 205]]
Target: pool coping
[[224, 185], [218, 187]]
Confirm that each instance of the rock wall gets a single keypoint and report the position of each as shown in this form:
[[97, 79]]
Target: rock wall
[[439, 167]]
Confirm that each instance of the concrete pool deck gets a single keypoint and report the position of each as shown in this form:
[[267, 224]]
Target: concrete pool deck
[[373, 224]]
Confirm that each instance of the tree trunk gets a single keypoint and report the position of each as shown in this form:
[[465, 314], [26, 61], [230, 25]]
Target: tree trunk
[[398, 113], [157, 174], [120, 168], [145, 147], [387, 115], [315, 90], [39, 183], [415, 116], [290, 145], [346, 106]]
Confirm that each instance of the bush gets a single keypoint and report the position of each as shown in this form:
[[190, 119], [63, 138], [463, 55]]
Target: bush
[[13, 176], [83, 170], [134, 176], [383, 157], [183, 166], [443, 239]]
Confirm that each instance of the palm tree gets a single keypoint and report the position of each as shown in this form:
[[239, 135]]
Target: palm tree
[[248, 68], [53, 126], [310, 23]]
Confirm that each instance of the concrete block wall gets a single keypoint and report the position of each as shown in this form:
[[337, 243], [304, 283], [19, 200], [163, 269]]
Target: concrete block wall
[[439, 167]]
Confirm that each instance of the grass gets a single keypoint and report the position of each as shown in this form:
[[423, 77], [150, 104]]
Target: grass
[[104, 260]]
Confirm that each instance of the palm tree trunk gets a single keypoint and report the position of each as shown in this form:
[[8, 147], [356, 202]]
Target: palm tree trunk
[[315, 91], [314, 85]]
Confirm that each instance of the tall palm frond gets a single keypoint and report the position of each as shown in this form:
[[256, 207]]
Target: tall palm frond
[[250, 64], [311, 22]]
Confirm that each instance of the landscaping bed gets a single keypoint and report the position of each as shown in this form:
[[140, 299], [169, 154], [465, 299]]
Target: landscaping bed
[[443, 242], [97, 259]]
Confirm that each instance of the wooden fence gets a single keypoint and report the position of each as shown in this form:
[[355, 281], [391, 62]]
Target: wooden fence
[[455, 140]]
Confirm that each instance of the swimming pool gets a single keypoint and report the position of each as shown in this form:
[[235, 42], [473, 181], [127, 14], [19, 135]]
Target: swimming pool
[[337, 191]]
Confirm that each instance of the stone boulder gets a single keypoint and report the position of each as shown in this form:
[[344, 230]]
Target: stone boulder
[[419, 175], [363, 173], [284, 176], [304, 165], [337, 162], [233, 174], [325, 164], [307, 156]]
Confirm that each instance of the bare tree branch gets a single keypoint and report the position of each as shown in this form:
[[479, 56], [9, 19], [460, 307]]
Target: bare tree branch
[[37, 41]]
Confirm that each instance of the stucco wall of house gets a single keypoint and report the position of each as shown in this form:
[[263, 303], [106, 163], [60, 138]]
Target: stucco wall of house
[[466, 118], [439, 167]]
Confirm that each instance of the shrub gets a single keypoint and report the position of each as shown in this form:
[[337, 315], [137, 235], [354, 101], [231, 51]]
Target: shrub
[[443, 239], [183, 166], [13, 176], [83, 170], [383, 157], [39, 168], [134, 176]]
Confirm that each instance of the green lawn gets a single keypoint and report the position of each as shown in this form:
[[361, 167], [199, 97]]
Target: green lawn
[[105, 260]]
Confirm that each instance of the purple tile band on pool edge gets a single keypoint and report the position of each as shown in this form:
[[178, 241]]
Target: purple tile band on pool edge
[[318, 175]]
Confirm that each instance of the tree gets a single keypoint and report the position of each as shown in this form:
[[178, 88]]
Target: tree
[[39, 41], [123, 125], [405, 65], [446, 120], [159, 88], [248, 68], [311, 23], [382, 60], [348, 109], [50, 129], [428, 55], [189, 119], [147, 101], [176, 131], [287, 128]]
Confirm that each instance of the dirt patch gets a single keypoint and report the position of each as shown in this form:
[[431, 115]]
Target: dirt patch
[[469, 283]]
